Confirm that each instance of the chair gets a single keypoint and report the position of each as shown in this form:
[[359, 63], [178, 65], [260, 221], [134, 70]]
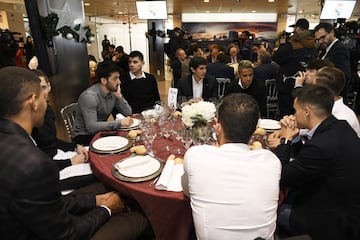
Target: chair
[[68, 115], [271, 99], [351, 100], [221, 86]]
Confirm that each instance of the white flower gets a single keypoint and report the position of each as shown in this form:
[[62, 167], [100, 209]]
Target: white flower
[[202, 110]]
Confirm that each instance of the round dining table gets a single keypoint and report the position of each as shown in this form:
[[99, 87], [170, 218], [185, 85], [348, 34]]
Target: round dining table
[[168, 212]]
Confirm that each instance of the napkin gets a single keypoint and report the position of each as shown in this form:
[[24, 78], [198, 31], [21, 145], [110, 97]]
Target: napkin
[[75, 170], [120, 116], [170, 178]]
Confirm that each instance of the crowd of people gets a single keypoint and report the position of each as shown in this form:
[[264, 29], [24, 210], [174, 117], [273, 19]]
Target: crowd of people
[[233, 190]]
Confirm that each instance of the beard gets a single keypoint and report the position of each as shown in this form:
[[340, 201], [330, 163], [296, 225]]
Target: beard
[[112, 88]]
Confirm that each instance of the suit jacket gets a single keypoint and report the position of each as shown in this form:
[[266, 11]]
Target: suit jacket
[[176, 68], [340, 56], [31, 205], [209, 87], [220, 70], [325, 176]]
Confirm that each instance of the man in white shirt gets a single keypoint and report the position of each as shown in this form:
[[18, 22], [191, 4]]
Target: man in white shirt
[[334, 79], [233, 190]]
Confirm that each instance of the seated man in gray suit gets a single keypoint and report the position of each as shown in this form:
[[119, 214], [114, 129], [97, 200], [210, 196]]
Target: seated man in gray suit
[[197, 85]]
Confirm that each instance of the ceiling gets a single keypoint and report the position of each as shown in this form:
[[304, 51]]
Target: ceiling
[[309, 9]]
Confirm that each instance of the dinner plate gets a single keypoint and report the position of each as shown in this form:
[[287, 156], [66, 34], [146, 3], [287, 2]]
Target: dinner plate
[[269, 124], [110, 144], [140, 165], [135, 124]]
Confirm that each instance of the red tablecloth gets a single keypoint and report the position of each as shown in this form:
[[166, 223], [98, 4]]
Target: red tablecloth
[[168, 212]]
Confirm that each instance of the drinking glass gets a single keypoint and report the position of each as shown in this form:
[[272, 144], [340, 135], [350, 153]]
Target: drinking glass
[[166, 130], [186, 138]]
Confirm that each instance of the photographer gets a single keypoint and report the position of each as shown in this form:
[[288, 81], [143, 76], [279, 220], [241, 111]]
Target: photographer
[[8, 48]]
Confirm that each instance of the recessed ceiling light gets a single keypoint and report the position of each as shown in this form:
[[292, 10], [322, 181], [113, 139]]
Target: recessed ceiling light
[[87, 4], [253, 11], [206, 1], [120, 12], [271, 0], [207, 11], [301, 11]]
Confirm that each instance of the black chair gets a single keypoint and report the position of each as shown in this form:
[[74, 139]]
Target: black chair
[[272, 108], [68, 115]]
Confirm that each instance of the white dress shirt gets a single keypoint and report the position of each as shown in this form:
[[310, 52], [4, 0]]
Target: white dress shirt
[[234, 191], [343, 112], [197, 88]]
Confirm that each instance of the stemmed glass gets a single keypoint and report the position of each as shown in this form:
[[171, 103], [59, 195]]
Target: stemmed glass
[[186, 138], [166, 130], [177, 133], [150, 135]]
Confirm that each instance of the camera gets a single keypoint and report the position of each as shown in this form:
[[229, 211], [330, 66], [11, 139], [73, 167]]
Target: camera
[[7, 37]]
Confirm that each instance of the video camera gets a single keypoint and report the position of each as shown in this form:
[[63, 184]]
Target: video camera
[[7, 37]]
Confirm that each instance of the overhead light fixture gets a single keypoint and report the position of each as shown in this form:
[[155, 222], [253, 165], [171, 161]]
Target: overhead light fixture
[[271, 0], [86, 4], [206, 1], [301, 11], [253, 11]]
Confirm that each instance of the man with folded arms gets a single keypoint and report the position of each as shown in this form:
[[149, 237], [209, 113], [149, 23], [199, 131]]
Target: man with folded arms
[[96, 104], [325, 172], [31, 206], [233, 190]]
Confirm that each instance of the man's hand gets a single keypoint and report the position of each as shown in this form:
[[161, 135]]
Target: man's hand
[[274, 139], [126, 122], [81, 150], [289, 127], [118, 94], [112, 201], [77, 159], [299, 80]]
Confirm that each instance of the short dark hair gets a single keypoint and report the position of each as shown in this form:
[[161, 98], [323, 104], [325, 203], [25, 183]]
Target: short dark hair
[[332, 78], [195, 62], [326, 26], [104, 69], [120, 49], [319, 63], [321, 97], [135, 54], [221, 57], [238, 115], [17, 84], [40, 73]]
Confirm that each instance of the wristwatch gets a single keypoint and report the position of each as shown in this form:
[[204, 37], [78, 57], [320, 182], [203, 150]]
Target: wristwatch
[[284, 141]]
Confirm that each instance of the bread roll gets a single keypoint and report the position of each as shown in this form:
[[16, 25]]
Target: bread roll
[[138, 150], [260, 131]]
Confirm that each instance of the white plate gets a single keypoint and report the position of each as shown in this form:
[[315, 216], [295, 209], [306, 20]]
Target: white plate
[[135, 124], [138, 166], [110, 143], [269, 124]]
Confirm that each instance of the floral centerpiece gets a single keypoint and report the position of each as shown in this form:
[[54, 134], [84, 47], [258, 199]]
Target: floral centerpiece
[[198, 113]]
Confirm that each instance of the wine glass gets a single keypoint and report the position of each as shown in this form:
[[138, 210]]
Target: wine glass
[[177, 133], [186, 138], [166, 130], [150, 135]]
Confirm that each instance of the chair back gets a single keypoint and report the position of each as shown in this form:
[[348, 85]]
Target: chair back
[[221, 86], [351, 100], [68, 115], [272, 98]]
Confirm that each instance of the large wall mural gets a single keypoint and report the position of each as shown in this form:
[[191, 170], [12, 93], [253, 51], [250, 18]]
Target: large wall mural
[[264, 30]]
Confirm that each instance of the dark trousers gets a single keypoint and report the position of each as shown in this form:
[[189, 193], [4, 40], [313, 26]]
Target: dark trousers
[[130, 225]]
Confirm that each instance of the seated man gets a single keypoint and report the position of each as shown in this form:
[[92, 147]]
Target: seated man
[[233, 190], [31, 206], [323, 173], [97, 103], [138, 87], [219, 69], [198, 84], [247, 84], [62, 152]]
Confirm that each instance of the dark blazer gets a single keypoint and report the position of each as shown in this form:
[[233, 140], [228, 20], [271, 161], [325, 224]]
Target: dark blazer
[[325, 176], [176, 66], [220, 70], [209, 87], [340, 56], [31, 205]]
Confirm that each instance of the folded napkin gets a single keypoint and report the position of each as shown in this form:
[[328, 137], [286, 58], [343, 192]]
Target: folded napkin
[[170, 178], [120, 116], [75, 170]]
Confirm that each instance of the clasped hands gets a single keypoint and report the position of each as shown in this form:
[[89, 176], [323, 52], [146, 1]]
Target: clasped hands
[[289, 130], [111, 200], [82, 155]]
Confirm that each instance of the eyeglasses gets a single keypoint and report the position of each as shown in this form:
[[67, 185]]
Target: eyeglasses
[[321, 38]]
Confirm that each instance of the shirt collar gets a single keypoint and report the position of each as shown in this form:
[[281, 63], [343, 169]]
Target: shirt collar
[[194, 81], [103, 95], [240, 83], [312, 131], [329, 47], [132, 76]]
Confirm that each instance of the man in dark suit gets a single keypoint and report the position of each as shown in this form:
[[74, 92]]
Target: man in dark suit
[[31, 205], [325, 172], [332, 49], [219, 69], [176, 65], [198, 84], [247, 84]]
